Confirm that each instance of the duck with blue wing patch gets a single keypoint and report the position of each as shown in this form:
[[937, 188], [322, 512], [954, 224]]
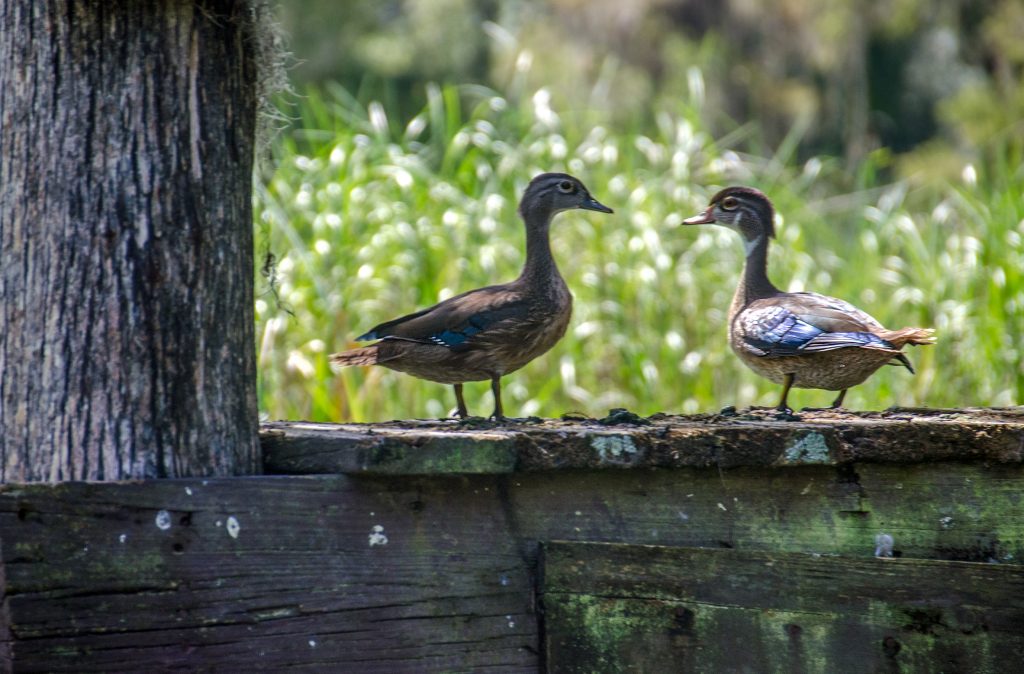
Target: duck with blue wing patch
[[487, 333], [805, 340]]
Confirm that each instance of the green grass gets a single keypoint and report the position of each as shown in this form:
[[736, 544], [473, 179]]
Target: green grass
[[370, 217]]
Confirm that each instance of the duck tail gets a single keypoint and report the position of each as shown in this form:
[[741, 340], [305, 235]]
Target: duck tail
[[915, 336], [900, 359], [366, 355]]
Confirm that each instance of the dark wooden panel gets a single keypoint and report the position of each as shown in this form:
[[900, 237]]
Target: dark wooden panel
[[94, 583], [940, 511], [631, 608], [453, 587], [622, 440]]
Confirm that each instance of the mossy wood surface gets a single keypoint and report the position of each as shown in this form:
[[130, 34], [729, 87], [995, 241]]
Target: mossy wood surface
[[639, 608], [378, 572], [624, 440]]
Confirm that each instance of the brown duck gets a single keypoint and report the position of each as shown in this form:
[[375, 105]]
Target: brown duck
[[805, 340], [489, 332]]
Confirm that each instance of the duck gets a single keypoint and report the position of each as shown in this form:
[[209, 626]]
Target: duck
[[487, 333], [801, 339]]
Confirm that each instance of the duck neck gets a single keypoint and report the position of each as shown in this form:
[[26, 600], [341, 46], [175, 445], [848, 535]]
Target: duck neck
[[539, 270], [755, 285]]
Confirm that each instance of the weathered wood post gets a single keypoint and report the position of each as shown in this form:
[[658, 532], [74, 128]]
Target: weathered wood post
[[126, 282]]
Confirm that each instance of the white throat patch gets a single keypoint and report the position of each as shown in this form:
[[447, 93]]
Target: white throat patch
[[749, 246]]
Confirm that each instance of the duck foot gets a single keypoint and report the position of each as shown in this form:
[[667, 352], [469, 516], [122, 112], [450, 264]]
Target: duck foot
[[786, 414], [513, 420], [755, 412], [474, 422]]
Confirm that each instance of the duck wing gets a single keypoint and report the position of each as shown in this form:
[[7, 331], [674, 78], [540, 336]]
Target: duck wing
[[454, 322], [798, 323], [830, 313]]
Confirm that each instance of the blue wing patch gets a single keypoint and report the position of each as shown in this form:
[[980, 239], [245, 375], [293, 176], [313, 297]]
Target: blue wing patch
[[777, 332], [454, 338], [451, 337], [780, 333], [367, 336]]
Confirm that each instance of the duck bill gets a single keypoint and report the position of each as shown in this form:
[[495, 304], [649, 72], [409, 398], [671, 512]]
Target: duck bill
[[700, 219], [592, 204]]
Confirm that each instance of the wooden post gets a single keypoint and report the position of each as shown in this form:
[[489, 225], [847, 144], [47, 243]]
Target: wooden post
[[126, 271]]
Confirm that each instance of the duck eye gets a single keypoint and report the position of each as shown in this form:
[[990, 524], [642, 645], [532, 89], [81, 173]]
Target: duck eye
[[730, 203], [566, 186]]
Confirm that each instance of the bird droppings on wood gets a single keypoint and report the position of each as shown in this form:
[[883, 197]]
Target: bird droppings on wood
[[233, 526], [163, 520], [883, 545], [377, 536]]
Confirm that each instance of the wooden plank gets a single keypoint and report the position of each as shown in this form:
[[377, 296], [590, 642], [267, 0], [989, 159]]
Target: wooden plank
[[303, 448], [109, 577], [753, 438], [453, 587], [816, 509], [624, 608]]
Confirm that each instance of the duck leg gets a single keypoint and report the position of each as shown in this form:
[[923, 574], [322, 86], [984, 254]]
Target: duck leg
[[838, 402], [462, 411], [783, 407], [498, 415]]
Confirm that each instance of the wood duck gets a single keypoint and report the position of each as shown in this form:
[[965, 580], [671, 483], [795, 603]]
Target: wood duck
[[489, 332], [805, 340]]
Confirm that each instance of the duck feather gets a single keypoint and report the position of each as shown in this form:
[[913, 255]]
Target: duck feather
[[455, 322]]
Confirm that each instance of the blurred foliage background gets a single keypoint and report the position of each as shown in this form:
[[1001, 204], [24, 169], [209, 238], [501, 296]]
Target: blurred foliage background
[[889, 135]]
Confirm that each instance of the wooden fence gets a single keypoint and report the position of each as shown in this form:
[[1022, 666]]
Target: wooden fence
[[710, 543]]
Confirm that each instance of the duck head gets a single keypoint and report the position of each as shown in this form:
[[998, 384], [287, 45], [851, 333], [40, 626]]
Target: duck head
[[744, 209], [551, 193]]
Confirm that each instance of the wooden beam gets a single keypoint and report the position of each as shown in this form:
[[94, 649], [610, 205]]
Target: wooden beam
[[663, 441], [618, 608]]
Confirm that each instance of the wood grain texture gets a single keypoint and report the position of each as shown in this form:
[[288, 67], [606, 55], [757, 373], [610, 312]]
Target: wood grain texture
[[95, 581], [423, 573], [126, 289], [751, 438], [629, 608]]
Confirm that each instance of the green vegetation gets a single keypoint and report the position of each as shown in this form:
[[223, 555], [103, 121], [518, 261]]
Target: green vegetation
[[368, 217], [898, 74]]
